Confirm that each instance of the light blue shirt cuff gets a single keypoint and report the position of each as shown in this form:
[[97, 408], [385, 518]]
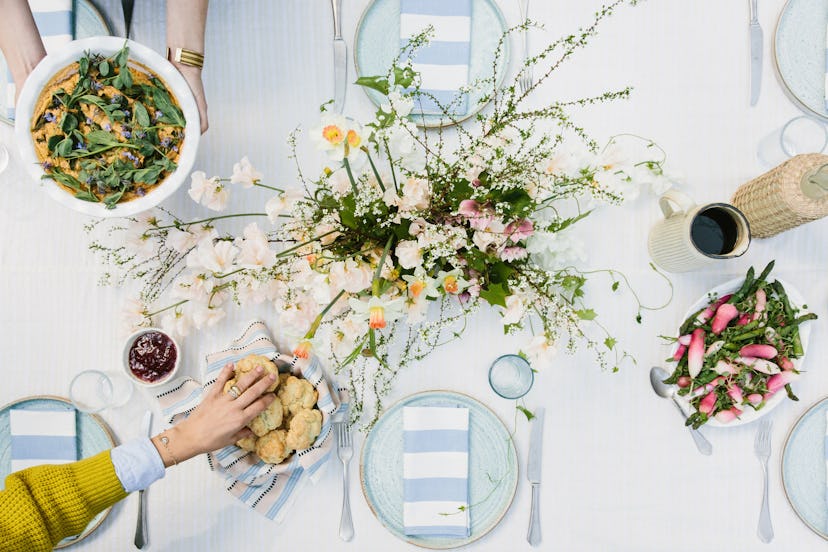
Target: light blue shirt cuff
[[137, 464]]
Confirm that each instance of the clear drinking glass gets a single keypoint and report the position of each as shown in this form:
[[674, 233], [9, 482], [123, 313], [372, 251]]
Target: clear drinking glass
[[93, 390], [511, 376], [802, 134]]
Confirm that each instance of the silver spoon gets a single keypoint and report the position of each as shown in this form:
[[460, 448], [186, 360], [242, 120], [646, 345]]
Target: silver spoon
[[657, 377]]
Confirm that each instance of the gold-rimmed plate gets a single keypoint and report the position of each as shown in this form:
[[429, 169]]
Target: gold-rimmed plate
[[93, 437]]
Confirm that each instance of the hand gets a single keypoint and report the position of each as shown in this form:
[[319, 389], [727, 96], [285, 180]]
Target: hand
[[219, 420], [193, 77]]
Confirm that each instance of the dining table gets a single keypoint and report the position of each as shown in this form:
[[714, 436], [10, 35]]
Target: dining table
[[619, 470]]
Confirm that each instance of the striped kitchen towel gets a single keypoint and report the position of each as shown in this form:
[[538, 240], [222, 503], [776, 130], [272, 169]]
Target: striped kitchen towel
[[267, 488], [443, 64], [42, 437], [436, 471], [56, 23]]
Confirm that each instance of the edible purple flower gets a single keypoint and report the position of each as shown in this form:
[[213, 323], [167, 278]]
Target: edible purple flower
[[158, 114], [140, 192], [175, 148], [79, 145], [88, 121], [96, 85], [49, 116], [165, 142], [46, 165], [107, 127], [115, 99], [140, 134], [126, 134], [126, 113]]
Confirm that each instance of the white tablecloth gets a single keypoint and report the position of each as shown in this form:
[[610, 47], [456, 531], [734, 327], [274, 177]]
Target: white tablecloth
[[620, 473]]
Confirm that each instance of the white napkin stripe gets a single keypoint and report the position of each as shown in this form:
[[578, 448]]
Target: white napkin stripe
[[434, 514], [416, 418], [424, 465], [447, 28], [39, 422]]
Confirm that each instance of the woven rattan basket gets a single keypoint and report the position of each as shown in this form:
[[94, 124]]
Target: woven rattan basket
[[774, 202]]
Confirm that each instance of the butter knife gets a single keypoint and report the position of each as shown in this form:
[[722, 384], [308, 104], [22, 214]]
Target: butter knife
[[126, 6], [340, 51], [755, 54], [533, 473], [141, 533]]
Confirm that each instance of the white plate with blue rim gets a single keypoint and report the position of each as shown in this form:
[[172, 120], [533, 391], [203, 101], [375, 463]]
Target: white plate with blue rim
[[377, 44], [93, 437], [88, 22], [493, 472], [803, 468], [799, 51]]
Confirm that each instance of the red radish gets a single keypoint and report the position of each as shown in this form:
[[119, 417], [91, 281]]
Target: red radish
[[743, 320], [758, 351], [714, 348], [695, 353], [735, 393], [684, 381], [785, 363], [754, 398], [684, 339], [727, 416], [780, 380], [724, 314], [761, 301], [679, 352], [759, 364], [707, 403], [705, 315]]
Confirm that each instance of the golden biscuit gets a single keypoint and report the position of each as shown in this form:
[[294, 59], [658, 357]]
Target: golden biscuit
[[268, 419], [297, 394], [271, 448], [304, 429], [248, 444], [250, 362]]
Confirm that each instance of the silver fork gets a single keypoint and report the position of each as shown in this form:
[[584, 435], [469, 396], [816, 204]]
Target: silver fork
[[762, 448], [345, 451], [525, 79]]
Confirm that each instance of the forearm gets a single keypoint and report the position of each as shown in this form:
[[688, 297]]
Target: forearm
[[19, 38], [186, 20]]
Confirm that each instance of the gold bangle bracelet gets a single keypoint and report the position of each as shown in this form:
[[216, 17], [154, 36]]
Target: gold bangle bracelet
[[185, 57], [165, 441]]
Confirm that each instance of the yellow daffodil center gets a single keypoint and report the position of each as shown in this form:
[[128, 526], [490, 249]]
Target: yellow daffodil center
[[376, 318], [333, 134], [354, 139], [450, 284], [416, 288], [303, 349]]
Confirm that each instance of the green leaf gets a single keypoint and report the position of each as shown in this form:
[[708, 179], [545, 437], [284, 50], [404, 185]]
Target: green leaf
[[87, 196], [500, 273], [526, 412], [148, 175], [94, 100], [83, 66], [141, 114], [101, 138], [68, 123], [64, 147], [122, 57], [54, 140], [615, 286], [586, 314], [494, 294], [104, 68], [610, 342], [346, 214], [559, 225], [380, 84]]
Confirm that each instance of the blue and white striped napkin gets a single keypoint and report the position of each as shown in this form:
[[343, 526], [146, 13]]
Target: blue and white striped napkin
[[42, 437], [55, 21], [444, 63], [436, 471]]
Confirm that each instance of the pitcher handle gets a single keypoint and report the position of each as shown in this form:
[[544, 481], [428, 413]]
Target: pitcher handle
[[674, 198]]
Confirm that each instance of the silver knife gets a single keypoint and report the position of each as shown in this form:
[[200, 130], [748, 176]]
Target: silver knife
[[340, 51], [533, 473], [141, 535], [755, 54]]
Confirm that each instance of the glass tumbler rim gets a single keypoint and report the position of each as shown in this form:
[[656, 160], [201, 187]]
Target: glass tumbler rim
[[524, 364], [106, 403]]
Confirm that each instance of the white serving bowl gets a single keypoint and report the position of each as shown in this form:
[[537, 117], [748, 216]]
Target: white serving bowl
[[125, 358], [107, 45]]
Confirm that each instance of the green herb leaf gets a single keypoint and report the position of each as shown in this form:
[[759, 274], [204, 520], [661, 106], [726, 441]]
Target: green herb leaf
[[526, 412], [68, 123], [494, 294], [141, 114], [104, 68], [586, 314]]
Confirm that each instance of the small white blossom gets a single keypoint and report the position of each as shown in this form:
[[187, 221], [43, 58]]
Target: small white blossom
[[245, 174], [254, 248], [282, 203], [409, 254]]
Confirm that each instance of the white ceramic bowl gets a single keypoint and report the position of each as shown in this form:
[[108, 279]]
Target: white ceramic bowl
[[107, 45], [125, 358]]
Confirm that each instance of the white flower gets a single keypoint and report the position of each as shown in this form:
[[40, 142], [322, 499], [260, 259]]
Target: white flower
[[540, 349], [134, 315], [515, 309], [254, 249], [452, 282], [554, 250], [420, 284], [282, 203], [402, 144], [139, 242], [205, 316], [397, 102], [245, 174], [335, 133], [296, 317], [416, 309], [377, 310], [350, 275], [251, 291], [208, 191], [177, 322], [345, 335], [340, 183], [409, 254], [416, 195], [217, 257], [193, 286]]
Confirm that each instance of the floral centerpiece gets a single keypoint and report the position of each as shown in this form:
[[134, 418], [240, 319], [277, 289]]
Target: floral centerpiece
[[382, 255]]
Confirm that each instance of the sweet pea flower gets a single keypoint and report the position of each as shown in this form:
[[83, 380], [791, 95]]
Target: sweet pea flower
[[217, 257], [254, 249], [519, 230], [139, 242], [397, 102], [350, 275], [134, 315], [206, 316], [193, 286], [282, 203], [409, 254], [515, 309], [177, 323], [541, 349], [208, 191], [183, 241], [245, 174]]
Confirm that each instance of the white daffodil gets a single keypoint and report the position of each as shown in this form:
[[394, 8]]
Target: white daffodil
[[377, 310], [421, 284], [245, 174], [452, 282]]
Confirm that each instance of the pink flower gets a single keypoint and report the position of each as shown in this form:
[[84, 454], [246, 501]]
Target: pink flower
[[513, 253], [469, 208], [519, 230]]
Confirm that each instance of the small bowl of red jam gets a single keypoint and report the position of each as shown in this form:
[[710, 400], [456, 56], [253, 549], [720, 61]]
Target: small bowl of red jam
[[151, 357]]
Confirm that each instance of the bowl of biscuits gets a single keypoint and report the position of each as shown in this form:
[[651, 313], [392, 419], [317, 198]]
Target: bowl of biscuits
[[291, 423]]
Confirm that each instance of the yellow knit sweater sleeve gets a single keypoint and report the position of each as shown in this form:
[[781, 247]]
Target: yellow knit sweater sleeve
[[44, 504]]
